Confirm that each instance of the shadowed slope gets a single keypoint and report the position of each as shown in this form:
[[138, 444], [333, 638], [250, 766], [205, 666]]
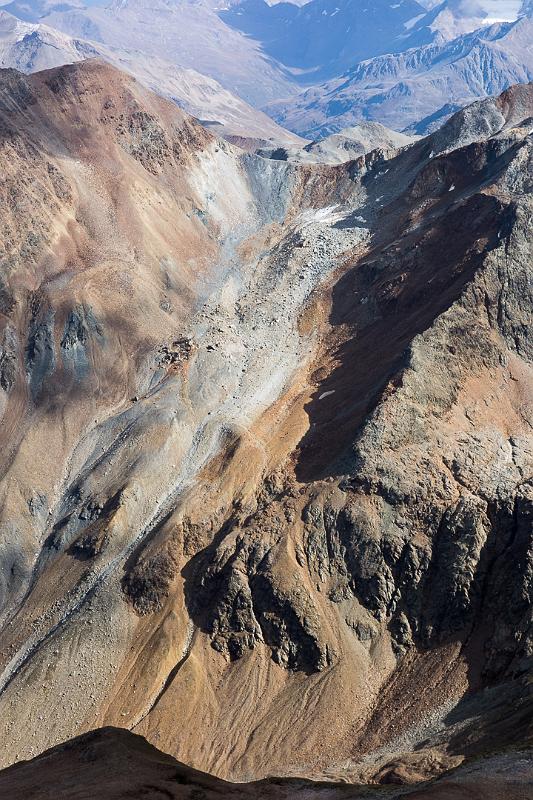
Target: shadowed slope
[[112, 764]]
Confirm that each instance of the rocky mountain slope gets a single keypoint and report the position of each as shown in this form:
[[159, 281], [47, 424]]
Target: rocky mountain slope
[[344, 146], [31, 47], [266, 441], [419, 88]]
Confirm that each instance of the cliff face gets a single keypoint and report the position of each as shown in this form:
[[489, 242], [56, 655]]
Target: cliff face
[[266, 438]]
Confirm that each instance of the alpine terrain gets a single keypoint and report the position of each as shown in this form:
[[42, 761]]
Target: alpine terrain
[[29, 47], [315, 67], [266, 499]]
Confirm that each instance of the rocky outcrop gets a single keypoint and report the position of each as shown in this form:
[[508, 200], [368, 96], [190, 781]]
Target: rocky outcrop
[[241, 597]]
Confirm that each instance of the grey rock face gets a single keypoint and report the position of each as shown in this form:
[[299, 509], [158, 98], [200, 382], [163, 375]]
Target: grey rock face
[[81, 327], [8, 361], [40, 349]]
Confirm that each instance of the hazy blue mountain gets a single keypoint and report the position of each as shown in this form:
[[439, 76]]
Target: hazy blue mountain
[[325, 37], [426, 83], [34, 10]]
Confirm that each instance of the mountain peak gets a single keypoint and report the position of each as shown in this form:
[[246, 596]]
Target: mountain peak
[[486, 118]]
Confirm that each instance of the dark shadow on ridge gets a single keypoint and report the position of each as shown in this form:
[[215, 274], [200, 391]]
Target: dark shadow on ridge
[[378, 307]]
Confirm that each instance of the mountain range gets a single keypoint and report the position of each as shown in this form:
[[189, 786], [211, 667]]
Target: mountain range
[[266, 447], [323, 38], [418, 89], [30, 46], [314, 69]]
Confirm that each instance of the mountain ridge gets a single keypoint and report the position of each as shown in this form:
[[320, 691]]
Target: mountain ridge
[[32, 47], [428, 82], [115, 763]]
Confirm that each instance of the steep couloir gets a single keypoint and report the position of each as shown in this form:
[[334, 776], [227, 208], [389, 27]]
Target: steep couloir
[[266, 438]]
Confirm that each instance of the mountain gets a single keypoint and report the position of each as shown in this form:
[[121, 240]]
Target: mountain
[[344, 146], [221, 111], [452, 18], [29, 47], [324, 37], [418, 89], [186, 33], [266, 446]]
